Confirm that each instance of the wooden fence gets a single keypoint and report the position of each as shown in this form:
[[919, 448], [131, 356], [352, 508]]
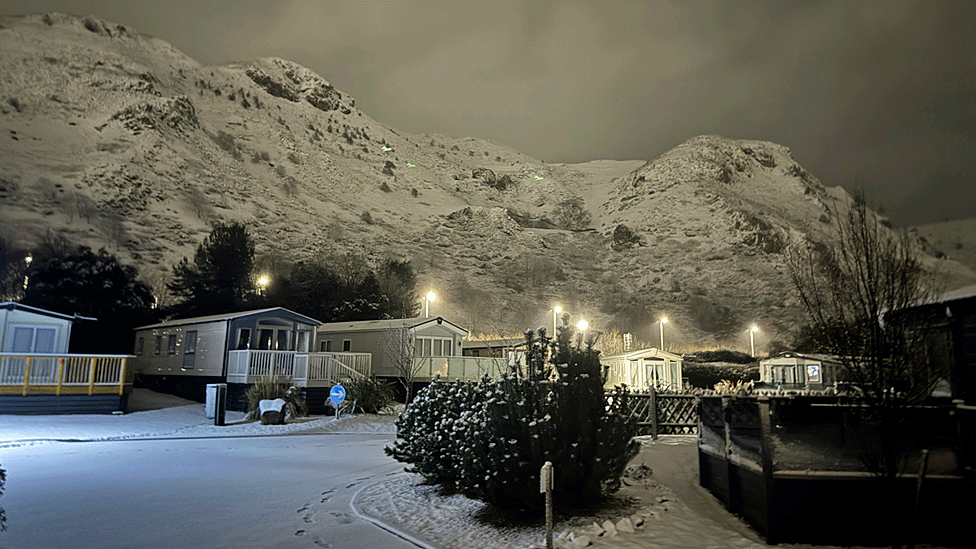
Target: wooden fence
[[747, 458], [665, 413]]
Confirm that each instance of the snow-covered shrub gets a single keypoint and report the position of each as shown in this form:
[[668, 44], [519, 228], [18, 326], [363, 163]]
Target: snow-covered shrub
[[272, 387], [490, 439], [3, 515], [427, 430], [372, 395]]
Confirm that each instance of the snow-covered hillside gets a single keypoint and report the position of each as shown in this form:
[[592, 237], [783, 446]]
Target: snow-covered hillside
[[117, 140]]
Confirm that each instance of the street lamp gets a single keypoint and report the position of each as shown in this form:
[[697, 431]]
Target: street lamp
[[752, 339], [555, 311], [427, 299], [662, 322], [262, 284], [27, 261]]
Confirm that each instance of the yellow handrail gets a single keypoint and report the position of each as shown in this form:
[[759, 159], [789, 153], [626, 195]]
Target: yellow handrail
[[27, 373], [60, 376], [91, 377], [122, 378]]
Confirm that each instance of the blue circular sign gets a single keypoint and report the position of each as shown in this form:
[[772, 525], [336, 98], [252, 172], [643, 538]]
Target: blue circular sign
[[337, 394]]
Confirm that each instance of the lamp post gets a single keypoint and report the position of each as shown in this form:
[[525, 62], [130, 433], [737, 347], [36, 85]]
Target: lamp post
[[27, 262], [262, 284], [583, 325], [427, 299], [662, 322], [555, 312], [752, 339]]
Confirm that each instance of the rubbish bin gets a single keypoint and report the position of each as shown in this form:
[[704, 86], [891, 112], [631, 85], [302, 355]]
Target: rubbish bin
[[216, 402]]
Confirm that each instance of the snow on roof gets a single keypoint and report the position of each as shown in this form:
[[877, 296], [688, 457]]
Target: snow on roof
[[957, 294], [492, 343], [643, 353], [10, 305], [386, 324], [228, 316], [808, 356]]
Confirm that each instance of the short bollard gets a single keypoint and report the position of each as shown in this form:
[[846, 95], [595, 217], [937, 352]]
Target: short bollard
[[545, 486]]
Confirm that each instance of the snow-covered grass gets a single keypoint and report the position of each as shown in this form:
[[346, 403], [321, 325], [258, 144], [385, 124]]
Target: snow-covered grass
[[165, 416], [665, 509]]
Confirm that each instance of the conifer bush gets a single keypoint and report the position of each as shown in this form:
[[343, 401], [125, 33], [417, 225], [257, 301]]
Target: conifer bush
[[490, 439]]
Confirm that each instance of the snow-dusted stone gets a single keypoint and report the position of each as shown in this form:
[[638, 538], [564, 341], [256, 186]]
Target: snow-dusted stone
[[609, 530], [581, 541], [637, 521], [272, 411], [625, 526]]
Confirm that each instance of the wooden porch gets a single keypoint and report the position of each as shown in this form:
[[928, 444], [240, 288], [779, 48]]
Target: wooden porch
[[307, 369], [64, 374]]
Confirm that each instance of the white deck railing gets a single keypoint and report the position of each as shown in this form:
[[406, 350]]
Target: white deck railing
[[459, 367], [306, 369], [330, 368], [244, 365], [63, 373]]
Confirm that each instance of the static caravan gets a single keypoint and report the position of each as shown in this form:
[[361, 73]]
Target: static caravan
[[25, 329], [39, 376], [799, 371], [432, 337], [183, 356], [644, 369]]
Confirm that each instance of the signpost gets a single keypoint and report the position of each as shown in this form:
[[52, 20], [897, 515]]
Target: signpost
[[545, 486], [337, 395]]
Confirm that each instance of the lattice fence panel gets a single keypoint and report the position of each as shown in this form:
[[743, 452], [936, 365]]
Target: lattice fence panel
[[676, 414]]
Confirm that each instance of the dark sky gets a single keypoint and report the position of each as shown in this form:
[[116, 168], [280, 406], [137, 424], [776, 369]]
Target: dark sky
[[876, 94]]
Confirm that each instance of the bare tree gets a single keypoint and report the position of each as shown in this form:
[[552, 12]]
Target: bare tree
[[399, 350], [861, 292]]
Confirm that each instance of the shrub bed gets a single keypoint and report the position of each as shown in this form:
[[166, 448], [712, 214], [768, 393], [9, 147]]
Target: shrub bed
[[489, 439]]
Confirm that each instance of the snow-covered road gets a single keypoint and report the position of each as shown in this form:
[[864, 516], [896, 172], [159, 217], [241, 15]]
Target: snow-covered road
[[279, 491]]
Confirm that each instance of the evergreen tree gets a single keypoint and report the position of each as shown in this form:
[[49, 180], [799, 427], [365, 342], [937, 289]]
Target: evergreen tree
[[219, 279], [98, 286], [398, 282]]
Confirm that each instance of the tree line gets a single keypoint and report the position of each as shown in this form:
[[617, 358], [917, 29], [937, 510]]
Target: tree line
[[220, 278]]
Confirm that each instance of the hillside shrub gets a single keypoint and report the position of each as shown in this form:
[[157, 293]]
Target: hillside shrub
[[571, 214], [547, 411], [272, 387]]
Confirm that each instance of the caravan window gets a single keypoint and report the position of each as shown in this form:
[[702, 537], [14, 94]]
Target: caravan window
[[191, 342], [265, 338], [346, 345], [171, 345], [243, 338], [159, 344], [139, 345], [28, 339], [284, 340], [302, 346]]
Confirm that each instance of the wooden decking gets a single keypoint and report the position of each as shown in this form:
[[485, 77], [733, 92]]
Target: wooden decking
[[64, 374]]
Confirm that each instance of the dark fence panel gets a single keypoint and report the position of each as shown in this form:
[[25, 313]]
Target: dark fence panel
[[63, 404], [741, 438]]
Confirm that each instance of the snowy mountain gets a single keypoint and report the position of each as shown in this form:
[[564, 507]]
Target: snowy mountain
[[118, 140]]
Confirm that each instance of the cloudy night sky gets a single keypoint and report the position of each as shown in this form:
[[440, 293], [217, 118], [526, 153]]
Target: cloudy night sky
[[873, 94]]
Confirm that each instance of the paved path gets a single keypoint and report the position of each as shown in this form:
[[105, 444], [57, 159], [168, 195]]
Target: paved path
[[282, 492]]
